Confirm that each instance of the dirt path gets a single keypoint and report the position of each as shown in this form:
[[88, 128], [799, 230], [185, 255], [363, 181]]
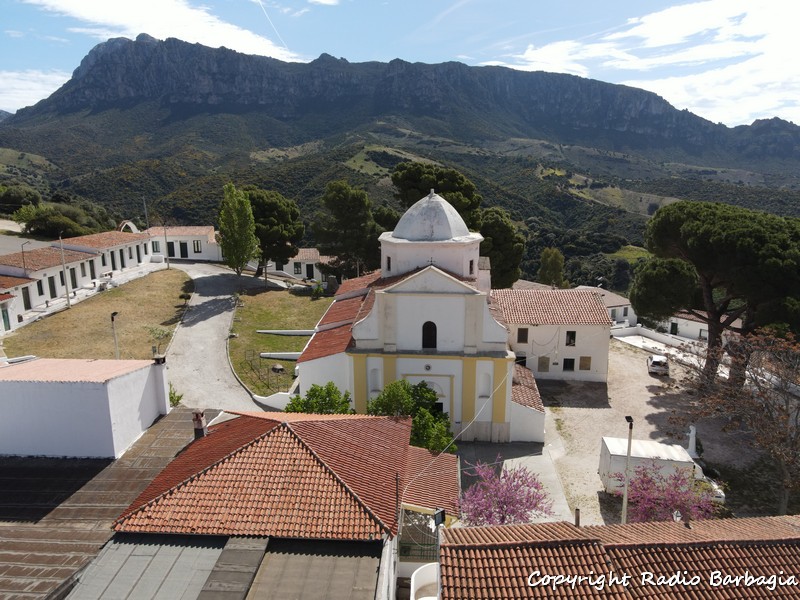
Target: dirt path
[[197, 359], [582, 413]]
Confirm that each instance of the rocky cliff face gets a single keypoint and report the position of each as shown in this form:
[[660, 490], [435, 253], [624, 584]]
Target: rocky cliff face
[[472, 102]]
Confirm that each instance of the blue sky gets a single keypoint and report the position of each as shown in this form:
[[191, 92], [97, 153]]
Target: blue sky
[[730, 61]]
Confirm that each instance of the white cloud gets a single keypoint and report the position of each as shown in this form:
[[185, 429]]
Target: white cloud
[[726, 60], [162, 19], [324, 2], [24, 88]]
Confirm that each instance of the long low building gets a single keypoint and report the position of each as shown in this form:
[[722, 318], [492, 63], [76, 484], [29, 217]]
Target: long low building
[[33, 280]]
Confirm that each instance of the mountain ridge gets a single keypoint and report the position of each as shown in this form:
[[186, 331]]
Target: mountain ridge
[[479, 103]]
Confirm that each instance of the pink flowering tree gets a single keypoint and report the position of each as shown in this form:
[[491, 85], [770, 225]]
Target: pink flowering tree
[[655, 496], [512, 496]]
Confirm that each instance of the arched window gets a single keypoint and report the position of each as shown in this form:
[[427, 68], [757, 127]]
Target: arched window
[[429, 335]]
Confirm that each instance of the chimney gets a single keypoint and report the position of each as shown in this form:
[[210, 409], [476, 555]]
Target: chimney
[[200, 426]]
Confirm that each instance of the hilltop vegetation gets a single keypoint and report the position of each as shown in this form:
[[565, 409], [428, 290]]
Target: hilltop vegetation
[[578, 164]]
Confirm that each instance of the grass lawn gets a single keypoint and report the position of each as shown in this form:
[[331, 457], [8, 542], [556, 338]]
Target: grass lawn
[[630, 253], [270, 309], [84, 331]]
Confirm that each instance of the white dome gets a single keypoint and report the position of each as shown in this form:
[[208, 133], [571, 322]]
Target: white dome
[[432, 219]]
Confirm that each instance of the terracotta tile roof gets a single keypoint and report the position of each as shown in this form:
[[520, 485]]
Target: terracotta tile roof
[[72, 370], [206, 231], [757, 528], [358, 283], [428, 483], [551, 307], [610, 299], [327, 343], [700, 319], [285, 475], [342, 311], [360, 299], [540, 532], [306, 255], [222, 440], [495, 562], [106, 239], [524, 390], [700, 560], [7, 281], [524, 284], [501, 570], [6, 296], [44, 258]]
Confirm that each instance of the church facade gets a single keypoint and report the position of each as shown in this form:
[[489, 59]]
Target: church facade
[[428, 315]]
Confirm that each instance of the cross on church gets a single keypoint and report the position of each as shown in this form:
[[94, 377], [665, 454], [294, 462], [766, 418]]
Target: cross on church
[[431, 261]]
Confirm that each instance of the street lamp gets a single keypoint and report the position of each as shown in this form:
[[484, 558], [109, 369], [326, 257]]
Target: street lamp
[[24, 268], [629, 419], [114, 331]]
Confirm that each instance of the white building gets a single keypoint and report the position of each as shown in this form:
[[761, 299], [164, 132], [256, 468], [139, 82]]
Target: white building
[[619, 307], [117, 250], [305, 265], [559, 334], [425, 317], [79, 408], [34, 279], [186, 242]]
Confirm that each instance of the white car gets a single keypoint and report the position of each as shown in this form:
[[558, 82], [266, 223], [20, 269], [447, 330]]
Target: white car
[[657, 364]]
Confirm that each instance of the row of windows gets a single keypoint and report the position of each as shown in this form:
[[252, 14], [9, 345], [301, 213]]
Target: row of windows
[[568, 364], [197, 246], [522, 337], [389, 265]]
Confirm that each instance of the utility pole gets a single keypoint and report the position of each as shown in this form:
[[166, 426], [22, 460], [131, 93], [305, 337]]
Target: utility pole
[[24, 267], [64, 268], [627, 471]]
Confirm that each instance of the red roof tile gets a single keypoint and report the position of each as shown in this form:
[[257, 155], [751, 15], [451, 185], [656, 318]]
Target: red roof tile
[[524, 390], [760, 528], [495, 562], [106, 239], [7, 281], [551, 307], [6, 296], [307, 255], [284, 475], [358, 283], [341, 311], [222, 440], [206, 231], [428, 483], [327, 343], [43, 258]]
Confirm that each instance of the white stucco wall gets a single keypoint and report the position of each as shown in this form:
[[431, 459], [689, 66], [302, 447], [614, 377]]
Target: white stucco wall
[[447, 312], [687, 328], [450, 255], [550, 341], [69, 419], [527, 424], [55, 419], [208, 251], [337, 368], [135, 400], [618, 315]]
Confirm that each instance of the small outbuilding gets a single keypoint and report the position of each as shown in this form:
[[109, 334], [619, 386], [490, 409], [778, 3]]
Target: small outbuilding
[[79, 407]]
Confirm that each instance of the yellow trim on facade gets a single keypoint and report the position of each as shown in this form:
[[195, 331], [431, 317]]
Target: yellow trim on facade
[[499, 391], [469, 378], [389, 369], [360, 393]]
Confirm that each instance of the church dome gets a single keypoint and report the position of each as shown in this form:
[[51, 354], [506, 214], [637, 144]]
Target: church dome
[[432, 219]]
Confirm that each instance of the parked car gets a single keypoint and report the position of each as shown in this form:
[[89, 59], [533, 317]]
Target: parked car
[[657, 364]]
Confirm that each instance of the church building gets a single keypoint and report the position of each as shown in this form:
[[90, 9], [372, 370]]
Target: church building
[[427, 316]]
